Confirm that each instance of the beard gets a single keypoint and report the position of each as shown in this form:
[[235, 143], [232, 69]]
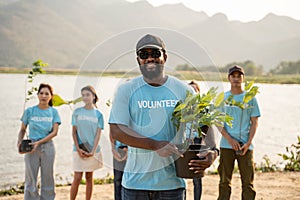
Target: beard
[[153, 73]]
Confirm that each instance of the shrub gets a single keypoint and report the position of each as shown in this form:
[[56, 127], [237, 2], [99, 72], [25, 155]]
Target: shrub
[[267, 165], [292, 157]]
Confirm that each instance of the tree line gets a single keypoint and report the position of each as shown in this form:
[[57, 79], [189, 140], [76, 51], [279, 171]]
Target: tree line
[[251, 69]]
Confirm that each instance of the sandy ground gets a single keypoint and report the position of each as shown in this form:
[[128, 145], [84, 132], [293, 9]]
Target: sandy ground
[[273, 186]]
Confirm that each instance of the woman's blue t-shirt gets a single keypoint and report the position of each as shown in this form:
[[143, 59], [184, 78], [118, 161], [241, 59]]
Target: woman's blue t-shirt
[[40, 121]]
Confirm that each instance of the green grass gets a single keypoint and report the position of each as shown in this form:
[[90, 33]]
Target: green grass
[[18, 189], [209, 76], [100, 181]]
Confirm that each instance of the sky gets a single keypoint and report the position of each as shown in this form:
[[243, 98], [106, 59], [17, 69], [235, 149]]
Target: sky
[[241, 10]]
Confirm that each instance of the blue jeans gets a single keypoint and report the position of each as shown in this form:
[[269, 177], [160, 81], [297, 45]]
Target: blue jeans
[[177, 194], [197, 188]]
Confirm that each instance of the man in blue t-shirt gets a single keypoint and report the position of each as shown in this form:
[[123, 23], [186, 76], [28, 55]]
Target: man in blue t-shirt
[[236, 141], [141, 118]]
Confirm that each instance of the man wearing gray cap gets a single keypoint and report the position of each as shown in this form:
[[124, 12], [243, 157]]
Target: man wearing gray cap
[[141, 118], [236, 141]]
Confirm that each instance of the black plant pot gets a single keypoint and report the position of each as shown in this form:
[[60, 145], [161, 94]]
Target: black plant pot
[[182, 167], [25, 146]]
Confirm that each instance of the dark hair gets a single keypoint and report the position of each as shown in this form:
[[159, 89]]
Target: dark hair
[[195, 84], [93, 91], [45, 85]]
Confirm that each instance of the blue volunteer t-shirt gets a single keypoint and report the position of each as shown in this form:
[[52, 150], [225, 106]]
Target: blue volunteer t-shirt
[[241, 122], [148, 111], [87, 122], [40, 121]]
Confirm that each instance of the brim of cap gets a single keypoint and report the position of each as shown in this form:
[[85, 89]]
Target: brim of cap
[[149, 46]]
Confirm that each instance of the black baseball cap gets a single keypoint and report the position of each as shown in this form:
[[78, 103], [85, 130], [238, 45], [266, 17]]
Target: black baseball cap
[[150, 41], [236, 68]]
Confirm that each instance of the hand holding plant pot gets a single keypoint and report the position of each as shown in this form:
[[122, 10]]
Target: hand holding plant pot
[[189, 116]]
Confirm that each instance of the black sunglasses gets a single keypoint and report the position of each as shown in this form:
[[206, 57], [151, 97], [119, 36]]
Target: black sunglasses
[[146, 54]]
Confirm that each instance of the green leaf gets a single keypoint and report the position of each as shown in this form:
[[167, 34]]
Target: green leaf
[[180, 107], [229, 100], [248, 85], [40, 63], [57, 100], [228, 120], [247, 98], [285, 157], [210, 95], [79, 99], [199, 110], [250, 94], [219, 99], [187, 118]]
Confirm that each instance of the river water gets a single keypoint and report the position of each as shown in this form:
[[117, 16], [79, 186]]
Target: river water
[[278, 126]]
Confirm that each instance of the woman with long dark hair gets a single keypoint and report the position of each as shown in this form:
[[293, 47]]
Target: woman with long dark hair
[[43, 121]]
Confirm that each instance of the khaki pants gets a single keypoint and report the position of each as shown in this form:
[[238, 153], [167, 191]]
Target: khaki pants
[[225, 169]]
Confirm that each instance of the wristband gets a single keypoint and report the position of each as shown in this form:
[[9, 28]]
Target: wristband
[[217, 150]]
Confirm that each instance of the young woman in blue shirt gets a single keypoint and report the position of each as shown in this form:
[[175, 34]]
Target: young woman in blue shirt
[[87, 124], [43, 121]]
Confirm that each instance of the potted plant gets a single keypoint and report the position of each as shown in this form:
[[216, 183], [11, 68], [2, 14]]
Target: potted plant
[[37, 68], [197, 112], [190, 116]]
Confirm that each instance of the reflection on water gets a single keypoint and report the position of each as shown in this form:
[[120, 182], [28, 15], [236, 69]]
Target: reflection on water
[[278, 126]]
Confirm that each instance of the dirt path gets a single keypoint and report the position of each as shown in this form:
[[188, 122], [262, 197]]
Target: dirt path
[[269, 186]]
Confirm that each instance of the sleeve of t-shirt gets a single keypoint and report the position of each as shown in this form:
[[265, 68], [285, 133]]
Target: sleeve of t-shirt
[[56, 117], [25, 117], [74, 119], [255, 110], [100, 120], [119, 113]]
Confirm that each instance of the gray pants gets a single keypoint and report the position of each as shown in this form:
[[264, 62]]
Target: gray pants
[[42, 158]]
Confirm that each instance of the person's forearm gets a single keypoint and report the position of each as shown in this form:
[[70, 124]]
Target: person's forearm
[[50, 136], [97, 139], [225, 134], [21, 136], [128, 136], [112, 140], [210, 138], [21, 133], [253, 128], [74, 136]]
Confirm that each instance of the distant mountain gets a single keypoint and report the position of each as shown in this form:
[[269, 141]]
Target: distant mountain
[[64, 32], [266, 42]]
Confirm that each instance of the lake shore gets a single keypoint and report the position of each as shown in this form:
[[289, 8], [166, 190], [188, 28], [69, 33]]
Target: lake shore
[[184, 75], [273, 186]]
